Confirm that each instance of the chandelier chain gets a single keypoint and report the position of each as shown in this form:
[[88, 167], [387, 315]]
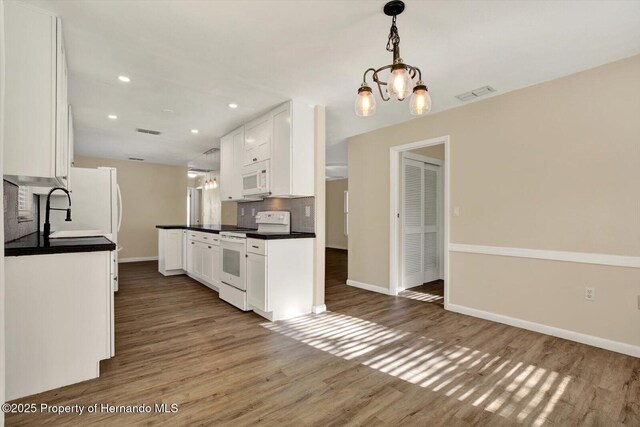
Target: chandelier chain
[[394, 37]]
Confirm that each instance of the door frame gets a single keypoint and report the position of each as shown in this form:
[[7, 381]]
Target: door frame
[[395, 154]]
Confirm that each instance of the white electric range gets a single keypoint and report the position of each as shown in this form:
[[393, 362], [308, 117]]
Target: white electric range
[[233, 245]]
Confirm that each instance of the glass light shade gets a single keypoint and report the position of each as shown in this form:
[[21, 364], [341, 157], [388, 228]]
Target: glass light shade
[[399, 83], [420, 102], [215, 183], [365, 102]]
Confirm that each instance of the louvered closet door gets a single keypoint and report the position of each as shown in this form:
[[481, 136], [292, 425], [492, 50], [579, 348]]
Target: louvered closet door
[[431, 237], [421, 222], [412, 223]]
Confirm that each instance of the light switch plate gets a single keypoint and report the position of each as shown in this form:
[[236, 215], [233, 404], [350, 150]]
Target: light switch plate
[[241, 211], [456, 211]]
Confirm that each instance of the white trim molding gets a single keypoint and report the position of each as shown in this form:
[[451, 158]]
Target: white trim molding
[[369, 287], [580, 257], [138, 259], [317, 309], [618, 347]]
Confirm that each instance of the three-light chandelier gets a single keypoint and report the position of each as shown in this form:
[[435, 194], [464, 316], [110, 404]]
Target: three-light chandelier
[[399, 83]]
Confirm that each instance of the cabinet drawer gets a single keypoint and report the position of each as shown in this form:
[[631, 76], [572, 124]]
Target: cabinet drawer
[[209, 238], [257, 246]]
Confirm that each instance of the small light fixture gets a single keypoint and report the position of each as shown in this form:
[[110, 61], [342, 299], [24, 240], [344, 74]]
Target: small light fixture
[[112, 117], [191, 174], [214, 183], [233, 106], [399, 82], [194, 130], [124, 79]]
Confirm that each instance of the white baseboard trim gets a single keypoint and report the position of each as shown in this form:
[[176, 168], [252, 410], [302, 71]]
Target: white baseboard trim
[[317, 309], [581, 257], [336, 247], [604, 343], [368, 287], [138, 259]]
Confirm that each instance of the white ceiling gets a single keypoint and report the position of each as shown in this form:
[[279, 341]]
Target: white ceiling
[[195, 57]]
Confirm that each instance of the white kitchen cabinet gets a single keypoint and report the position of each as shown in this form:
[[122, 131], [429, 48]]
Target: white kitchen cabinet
[[217, 264], [257, 140], [197, 263], [207, 263], [292, 150], [231, 159], [170, 251], [36, 135], [277, 288], [58, 320], [257, 281]]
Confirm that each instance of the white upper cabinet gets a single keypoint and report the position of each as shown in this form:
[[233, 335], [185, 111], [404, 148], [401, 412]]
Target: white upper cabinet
[[257, 140], [292, 154], [281, 141], [231, 160], [36, 135]]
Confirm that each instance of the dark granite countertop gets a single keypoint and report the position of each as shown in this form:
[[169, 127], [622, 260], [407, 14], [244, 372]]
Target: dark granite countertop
[[251, 233], [35, 244]]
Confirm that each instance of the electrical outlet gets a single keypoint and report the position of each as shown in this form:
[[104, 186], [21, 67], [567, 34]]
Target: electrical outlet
[[590, 294], [456, 211], [307, 211]]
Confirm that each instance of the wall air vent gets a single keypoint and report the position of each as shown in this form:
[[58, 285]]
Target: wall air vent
[[148, 131], [476, 93], [136, 159], [199, 170], [211, 151]]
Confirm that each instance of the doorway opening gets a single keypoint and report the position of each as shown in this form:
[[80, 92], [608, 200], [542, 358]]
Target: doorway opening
[[419, 227]]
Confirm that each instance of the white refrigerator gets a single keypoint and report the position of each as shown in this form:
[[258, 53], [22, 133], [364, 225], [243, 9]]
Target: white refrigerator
[[96, 204]]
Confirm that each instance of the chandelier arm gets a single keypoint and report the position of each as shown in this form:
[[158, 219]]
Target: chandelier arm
[[379, 84], [364, 76]]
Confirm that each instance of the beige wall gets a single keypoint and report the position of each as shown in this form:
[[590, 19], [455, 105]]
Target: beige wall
[[335, 214], [229, 213], [433, 151], [151, 194], [554, 166]]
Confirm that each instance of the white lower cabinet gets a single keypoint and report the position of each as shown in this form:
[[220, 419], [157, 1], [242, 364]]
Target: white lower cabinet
[[280, 277], [257, 281], [170, 251]]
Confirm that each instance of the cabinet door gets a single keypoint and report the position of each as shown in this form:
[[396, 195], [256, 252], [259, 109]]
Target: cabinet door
[[190, 256], [207, 263], [197, 259], [216, 264], [281, 159], [30, 91], [257, 281], [185, 243], [257, 140], [231, 147], [173, 249], [62, 117]]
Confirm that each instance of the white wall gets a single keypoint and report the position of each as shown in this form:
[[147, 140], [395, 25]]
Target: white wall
[[2, 350]]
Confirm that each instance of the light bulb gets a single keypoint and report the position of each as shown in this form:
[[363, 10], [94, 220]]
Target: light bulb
[[420, 102], [365, 102], [399, 82], [215, 183]]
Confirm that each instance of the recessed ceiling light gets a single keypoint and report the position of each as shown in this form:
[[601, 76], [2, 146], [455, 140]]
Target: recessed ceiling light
[[124, 79], [112, 116], [233, 106], [167, 110], [194, 130]]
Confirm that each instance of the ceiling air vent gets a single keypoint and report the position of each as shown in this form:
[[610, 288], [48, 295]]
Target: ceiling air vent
[[136, 159], [476, 93], [148, 131]]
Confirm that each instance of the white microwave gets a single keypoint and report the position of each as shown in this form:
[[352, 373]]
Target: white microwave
[[256, 182]]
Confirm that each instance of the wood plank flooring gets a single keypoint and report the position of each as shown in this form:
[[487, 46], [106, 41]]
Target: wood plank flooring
[[370, 360]]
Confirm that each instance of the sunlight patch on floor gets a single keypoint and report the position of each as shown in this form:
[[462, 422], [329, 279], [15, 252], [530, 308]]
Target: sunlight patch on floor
[[521, 392], [421, 296]]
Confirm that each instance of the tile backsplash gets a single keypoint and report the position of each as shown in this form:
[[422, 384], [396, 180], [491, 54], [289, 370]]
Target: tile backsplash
[[14, 229], [299, 208]]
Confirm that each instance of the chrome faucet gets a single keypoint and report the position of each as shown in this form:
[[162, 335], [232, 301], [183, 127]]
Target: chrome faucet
[[47, 225]]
